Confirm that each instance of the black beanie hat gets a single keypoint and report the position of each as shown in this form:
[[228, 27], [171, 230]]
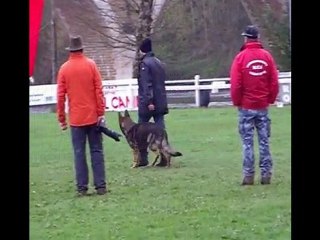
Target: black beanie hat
[[146, 45]]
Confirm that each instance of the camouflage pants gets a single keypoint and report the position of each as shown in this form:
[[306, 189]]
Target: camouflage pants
[[249, 120]]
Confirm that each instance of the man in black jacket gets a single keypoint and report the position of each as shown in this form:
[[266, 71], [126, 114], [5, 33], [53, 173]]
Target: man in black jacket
[[152, 101]]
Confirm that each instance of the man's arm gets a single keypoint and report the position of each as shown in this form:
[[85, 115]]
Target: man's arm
[[236, 83], [101, 103], [274, 81], [146, 84], [61, 99]]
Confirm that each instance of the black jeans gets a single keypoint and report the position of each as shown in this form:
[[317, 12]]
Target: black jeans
[[79, 136]]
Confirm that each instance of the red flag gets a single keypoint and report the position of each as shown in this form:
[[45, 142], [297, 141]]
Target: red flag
[[35, 16]]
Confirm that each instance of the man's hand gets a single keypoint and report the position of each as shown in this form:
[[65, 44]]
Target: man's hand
[[63, 126], [151, 107], [102, 121]]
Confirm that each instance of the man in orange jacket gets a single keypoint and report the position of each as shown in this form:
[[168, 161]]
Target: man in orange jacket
[[79, 82], [254, 86]]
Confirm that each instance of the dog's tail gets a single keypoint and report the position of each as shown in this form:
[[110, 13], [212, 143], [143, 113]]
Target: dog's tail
[[166, 146], [175, 154]]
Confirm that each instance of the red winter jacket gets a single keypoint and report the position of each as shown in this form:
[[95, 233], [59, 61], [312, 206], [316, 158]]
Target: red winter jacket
[[254, 77], [80, 81]]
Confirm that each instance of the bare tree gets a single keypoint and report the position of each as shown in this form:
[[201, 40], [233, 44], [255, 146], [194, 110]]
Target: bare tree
[[143, 29], [127, 23]]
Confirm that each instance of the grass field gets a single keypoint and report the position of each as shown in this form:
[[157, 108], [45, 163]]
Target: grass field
[[199, 197]]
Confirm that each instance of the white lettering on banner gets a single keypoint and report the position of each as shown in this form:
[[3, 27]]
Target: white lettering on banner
[[39, 99], [109, 89], [35, 98]]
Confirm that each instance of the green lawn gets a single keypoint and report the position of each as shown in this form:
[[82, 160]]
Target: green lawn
[[199, 197]]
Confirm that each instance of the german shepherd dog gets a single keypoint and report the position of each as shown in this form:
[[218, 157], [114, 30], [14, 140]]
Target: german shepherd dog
[[144, 136]]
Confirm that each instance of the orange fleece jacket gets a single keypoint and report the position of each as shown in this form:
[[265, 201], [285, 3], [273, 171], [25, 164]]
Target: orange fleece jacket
[[79, 82]]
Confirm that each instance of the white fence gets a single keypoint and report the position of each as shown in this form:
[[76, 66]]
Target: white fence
[[122, 94]]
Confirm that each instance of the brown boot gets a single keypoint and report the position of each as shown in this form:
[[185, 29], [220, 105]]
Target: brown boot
[[248, 180], [101, 191], [265, 180]]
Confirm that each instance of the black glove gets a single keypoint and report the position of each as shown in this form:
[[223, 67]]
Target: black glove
[[101, 126]]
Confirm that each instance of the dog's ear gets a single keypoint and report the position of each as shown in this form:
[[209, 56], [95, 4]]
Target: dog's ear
[[126, 113], [120, 116]]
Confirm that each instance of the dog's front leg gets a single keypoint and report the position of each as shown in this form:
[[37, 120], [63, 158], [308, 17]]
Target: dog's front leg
[[136, 158]]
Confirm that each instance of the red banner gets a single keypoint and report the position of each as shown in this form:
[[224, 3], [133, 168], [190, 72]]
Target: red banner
[[35, 16]]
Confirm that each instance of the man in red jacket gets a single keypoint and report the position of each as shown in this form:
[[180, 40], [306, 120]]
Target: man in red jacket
[[79, 82], [254, 85]]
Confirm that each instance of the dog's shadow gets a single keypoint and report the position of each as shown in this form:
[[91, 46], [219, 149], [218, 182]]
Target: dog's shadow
[[172, 166]]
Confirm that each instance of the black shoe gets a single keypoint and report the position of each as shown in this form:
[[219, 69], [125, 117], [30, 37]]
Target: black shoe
[[101, 191]]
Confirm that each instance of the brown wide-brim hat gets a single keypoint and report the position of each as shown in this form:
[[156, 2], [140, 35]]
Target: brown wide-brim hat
[[75, 44]]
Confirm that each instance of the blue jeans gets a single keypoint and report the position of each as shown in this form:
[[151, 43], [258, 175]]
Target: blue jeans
[[79, 136], [249, 120], [158, 120]]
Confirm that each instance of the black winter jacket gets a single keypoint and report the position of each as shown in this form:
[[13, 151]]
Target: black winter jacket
[[151, 86]]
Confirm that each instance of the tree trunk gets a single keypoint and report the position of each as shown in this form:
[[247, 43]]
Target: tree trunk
[[143, 30]]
